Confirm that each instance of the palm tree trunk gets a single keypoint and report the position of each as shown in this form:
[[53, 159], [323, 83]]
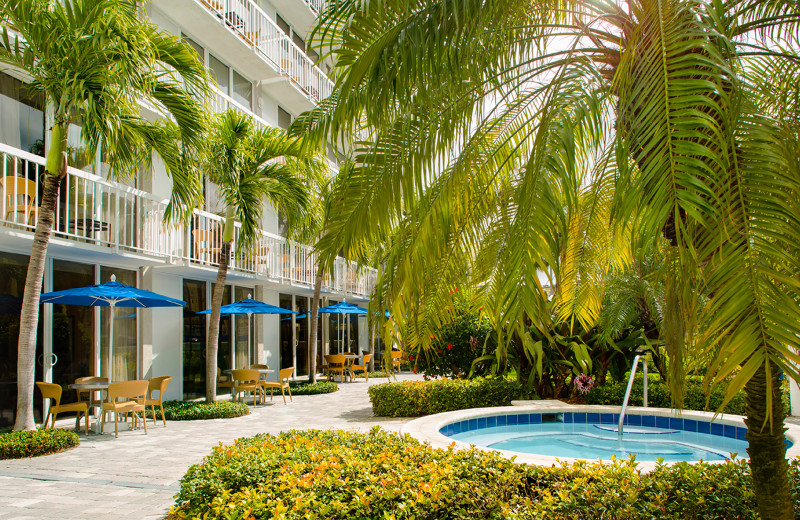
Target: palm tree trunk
[[766, 447], [212, 345], [55, 171], [312, 348]]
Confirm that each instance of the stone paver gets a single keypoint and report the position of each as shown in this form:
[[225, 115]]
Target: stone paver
[[136, 475]]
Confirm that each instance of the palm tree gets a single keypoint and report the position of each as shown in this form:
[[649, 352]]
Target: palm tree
[[249, 164], [483, 122], [94, 61]]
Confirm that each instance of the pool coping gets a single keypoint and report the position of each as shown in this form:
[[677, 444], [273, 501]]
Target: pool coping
[[426, 429]]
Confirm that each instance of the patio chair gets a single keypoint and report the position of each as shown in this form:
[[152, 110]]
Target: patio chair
[[260, 366], [53, 391], [205, 246], [337, 364], [132, 395], [283, 382], [224, 381], [157, 384], [246, 381], [362, 368], [20, 198]]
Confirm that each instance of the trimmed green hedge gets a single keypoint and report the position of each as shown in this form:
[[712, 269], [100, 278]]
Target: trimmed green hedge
[[200, 410], [17, 445], [378, 374], [658, 396], [320, 387], [336, 474], [414, 398]]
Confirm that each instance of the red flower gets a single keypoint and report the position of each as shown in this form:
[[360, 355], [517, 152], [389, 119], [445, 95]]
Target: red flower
[[439, 351], [411, 358], [415, 370], [449, 345]]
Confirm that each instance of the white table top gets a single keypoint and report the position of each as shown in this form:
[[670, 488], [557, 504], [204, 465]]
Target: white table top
[[99, 385], [262, 370]]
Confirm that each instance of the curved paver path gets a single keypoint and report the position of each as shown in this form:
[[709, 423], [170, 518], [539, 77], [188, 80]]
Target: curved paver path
[[136, 475]]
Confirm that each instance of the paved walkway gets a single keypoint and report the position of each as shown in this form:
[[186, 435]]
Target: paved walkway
[[136, 475]]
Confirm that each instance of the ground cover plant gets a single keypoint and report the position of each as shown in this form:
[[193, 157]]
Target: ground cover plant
[[200, 410], [320, 387], [376, 374], [336, 474], [32, 443], [414, 398]]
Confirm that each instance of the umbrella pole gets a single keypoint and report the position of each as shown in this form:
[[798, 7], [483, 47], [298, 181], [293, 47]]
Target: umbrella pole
[[111, 344]]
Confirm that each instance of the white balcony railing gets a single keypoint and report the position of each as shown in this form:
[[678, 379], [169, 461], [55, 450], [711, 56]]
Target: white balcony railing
[[104, 213], [316, 5], [222, 102], [258, 30]]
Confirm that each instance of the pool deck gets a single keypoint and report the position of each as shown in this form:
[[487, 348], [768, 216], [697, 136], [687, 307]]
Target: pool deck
[[426, 429]]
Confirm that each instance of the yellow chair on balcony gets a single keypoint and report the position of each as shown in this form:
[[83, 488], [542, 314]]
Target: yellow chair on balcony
[[20, 196], [204, 247]]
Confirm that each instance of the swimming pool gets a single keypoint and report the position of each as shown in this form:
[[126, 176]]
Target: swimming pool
[[544, 432]]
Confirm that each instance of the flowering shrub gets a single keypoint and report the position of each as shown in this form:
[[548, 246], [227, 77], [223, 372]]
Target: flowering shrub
[[414, 398], [454, 348], [584, 383], [17, 445], [342, 475]]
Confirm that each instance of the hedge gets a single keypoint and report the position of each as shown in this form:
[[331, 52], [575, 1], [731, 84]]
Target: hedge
[[17, 445], [658, 396], [320, 387], [414, 398], [336, 474], [200, 410]]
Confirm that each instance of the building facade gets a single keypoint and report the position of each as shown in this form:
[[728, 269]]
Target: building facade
[[256, 53]]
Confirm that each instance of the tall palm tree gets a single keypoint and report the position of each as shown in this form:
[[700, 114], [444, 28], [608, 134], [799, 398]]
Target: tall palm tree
[[480, 120], [94, 61], [248, 165]]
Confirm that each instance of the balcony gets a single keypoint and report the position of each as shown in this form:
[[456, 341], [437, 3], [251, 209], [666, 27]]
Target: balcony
[[98, 216], [233, 26]]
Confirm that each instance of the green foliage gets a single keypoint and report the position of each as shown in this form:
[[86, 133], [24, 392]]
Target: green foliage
[[377, 374], [200, 410], [17, 445], [414, 398], [336, 474], [454, 347], [658, 395], [320, 387]]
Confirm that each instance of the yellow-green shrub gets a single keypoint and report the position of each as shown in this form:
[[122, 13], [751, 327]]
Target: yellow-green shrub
[[340, 475], [17, 445], [414, 398]]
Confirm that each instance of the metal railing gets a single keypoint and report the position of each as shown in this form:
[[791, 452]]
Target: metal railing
[[104, 213], [316, 5], [222, 102], [636, 359], [258, 30]]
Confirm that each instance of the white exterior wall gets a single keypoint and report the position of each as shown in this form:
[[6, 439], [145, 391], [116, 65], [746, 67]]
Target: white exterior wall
[[164, 330], [795, 398]]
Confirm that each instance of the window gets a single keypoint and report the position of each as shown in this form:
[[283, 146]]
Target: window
[[196, 46], [242, 90], [22, 111], [282, 24], [284, 119], [299, 41], [221, 73]]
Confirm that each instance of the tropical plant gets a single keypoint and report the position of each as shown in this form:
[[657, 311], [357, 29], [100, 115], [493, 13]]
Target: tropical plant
[[250, 164], [506, 136], [95, 61]]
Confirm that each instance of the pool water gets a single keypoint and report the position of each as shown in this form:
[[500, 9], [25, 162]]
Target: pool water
[[600, 441]]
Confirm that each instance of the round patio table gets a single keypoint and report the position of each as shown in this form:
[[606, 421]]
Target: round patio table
[[93, 403], [350, 358]]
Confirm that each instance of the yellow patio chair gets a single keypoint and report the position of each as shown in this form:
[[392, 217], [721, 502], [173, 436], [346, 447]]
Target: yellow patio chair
[[133, 395], [337, 364], [283, 382], [246, 381], [224, 381], [157, 384], [20, 198], [362, 368], [53, 391]]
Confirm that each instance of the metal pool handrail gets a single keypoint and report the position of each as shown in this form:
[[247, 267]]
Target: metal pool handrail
[[628, 391]]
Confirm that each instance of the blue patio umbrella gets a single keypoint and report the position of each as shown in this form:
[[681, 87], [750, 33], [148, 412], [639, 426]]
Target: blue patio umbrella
[[344, 308], [250, 306], [111, 294]]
